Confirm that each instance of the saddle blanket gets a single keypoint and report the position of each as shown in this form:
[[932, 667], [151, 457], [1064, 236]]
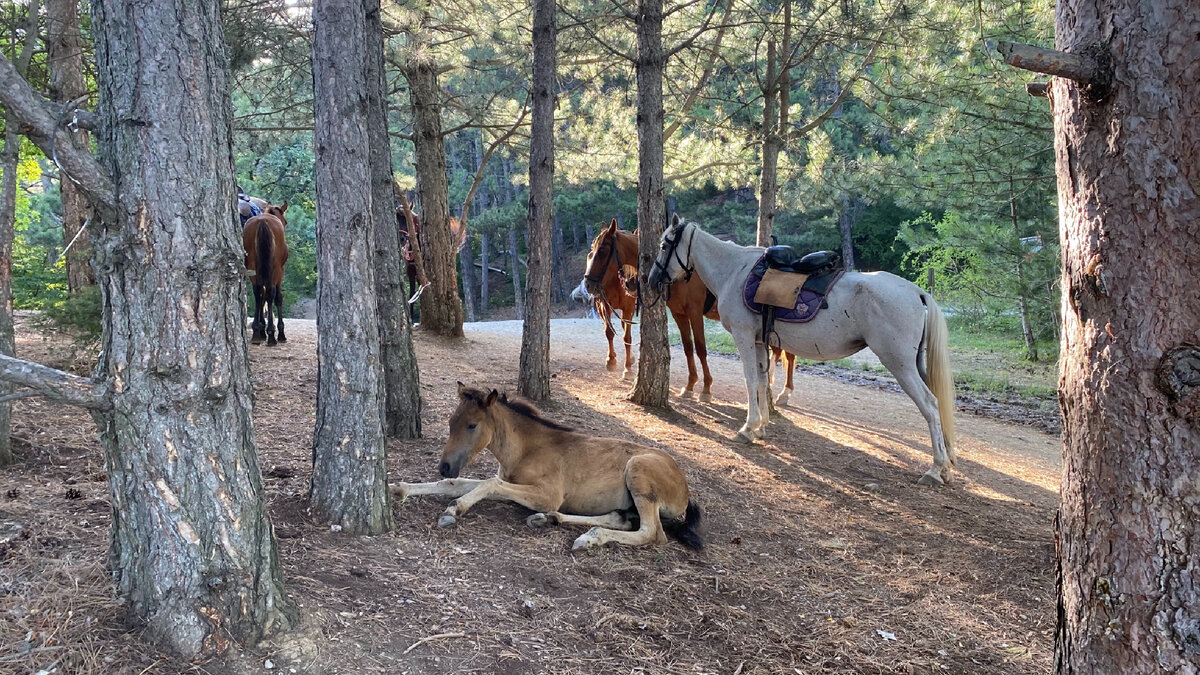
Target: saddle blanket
[[804, 294]]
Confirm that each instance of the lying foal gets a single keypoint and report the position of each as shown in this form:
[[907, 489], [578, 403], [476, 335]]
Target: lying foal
[[569, 478]]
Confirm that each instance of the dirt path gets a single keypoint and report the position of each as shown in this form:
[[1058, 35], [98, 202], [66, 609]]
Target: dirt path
[[823, 555]]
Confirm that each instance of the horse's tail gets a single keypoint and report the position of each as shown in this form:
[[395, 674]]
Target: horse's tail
[[937, 374], [265, 246], [685, 532]]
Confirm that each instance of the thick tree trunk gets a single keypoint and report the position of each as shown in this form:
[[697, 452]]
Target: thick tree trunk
[[846, 221], [65, 56], [768, 177], [400, 374], [349, 479], [192, 550], [514, 263], [466, 259], [484, 245], [9, 158], [1128, 172], [534, 379], [652, 386], [441, 308]]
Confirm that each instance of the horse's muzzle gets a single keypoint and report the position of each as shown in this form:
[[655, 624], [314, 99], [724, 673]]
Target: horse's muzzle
[[656, 279], [591, 286], [448, 471]]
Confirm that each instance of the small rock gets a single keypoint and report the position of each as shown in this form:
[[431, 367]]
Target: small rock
[[871, 487], [269, 665], [335, 528], [358, 571]]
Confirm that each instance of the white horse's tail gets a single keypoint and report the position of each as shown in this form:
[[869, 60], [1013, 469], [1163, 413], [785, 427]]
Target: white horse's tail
[[938, 377]]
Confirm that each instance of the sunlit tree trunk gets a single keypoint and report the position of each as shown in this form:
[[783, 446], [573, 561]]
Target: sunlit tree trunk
[[192, 552], [652, 386], [400, 374], [534, 378], [349, 478], [1128, 169]]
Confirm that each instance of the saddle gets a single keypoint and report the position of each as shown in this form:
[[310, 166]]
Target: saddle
[[786, 287]]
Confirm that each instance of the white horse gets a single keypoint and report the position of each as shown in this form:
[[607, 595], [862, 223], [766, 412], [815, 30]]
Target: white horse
[[895, 318]]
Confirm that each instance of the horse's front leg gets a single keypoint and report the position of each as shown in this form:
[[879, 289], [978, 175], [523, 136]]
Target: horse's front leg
[[685, 337], [628, 325], [450, 487], [754, 366], [535, 497], [606, 314], [789, 367], [702, 353]]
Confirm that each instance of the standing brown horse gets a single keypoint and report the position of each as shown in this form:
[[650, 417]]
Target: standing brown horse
[[611, 277], [266, 254]]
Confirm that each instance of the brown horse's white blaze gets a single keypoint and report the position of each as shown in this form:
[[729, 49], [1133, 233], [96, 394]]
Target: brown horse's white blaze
[[618, 291], [266, 253], [567, 477]]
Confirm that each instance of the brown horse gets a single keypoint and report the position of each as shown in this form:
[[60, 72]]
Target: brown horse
[[567, 477], [611, 277], [266, 254]]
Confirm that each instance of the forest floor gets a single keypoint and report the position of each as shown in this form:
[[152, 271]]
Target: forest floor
[[823, 554]]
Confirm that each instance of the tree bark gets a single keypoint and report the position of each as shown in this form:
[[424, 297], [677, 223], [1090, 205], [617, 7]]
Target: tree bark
[[534, 379], [65, 55], [484, 245], [846, 219], [192, 549], [1128, 171], [768, 177], [1022, 299], [514, 262], [561, 286], [400, 373], [349, 479], [466, 259], [441, 308], [652, 386], [8, 215]]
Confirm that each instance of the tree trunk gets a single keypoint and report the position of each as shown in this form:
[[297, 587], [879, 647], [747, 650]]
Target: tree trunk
[[768, 177], [846, 225], [467, 261], [1128, 170], [484, 245], [534, 379], [349, 479], [514, 263], [400, 373], [561, 285], [1022, 297], [65, 57], [192, 549], [652, 386], [441, 308], [9, 158]]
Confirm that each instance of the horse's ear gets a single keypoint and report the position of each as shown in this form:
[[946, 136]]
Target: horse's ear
[[283, 207], [612, 227], [461, 388], [674, 220], [491, 398], [636, 230]]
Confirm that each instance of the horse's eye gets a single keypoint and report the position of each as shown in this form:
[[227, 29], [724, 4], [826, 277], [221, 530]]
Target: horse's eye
[[470, 427]]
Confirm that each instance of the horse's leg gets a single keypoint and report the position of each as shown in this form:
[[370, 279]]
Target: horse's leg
[[754, 365], [606, 313], [702, 352], [628, 324], [789, 368], [685, 336], [773, 356], [257, 334], [279, 311], [270, 321], [534, 497], [616, 520], [642, 480], [909, 378], [450, 487]]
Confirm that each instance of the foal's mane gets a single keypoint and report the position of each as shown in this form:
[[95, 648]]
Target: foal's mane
[[516, 404]]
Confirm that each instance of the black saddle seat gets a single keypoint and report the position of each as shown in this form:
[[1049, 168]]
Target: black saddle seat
[[784, 258]]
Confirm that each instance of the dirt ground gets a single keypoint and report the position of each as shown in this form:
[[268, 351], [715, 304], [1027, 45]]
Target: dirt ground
[[823, 554]]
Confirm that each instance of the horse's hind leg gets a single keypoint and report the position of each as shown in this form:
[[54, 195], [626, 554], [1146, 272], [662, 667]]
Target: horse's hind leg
[[685, 337], [649, 482], [702, 353], [613, 521], [257, 334], [755, 365], [909, 379], [789, 367], [270, 322], [279, 311]]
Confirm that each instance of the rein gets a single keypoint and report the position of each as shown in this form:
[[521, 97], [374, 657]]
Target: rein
[[673, 251], [614, 251]]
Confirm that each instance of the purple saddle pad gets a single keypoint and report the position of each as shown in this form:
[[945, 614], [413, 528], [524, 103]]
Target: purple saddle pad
[[807, 305]]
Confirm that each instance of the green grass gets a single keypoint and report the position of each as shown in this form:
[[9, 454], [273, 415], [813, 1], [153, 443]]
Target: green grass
[[987, 364]]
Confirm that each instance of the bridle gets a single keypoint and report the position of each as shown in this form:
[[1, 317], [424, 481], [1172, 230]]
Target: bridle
[[671, 247], [597, 277]]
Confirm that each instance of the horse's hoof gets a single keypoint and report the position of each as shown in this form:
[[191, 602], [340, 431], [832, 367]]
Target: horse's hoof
[[931, 478], [447, 520], [586, 540], [272, 343], [627, 375], [282, 338], [685, 393], [784, 395], [537, 520], [705, 397], [256, 341], [400, 491], [611, 366], [742, 438]]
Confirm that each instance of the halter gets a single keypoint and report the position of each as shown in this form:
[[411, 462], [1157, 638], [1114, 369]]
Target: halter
[[672, 249], [598, 277]]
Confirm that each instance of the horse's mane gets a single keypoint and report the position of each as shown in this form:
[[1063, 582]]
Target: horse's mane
[[521, 406]]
